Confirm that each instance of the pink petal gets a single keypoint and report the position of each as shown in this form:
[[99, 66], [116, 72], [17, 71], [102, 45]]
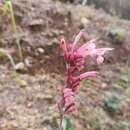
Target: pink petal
[[100, 59], [69, 101], [101, 51], [88, 74], [77, 39], [98, 53], [68, 94], [87, 46], [63, 45], [90, 52], [71, 109]]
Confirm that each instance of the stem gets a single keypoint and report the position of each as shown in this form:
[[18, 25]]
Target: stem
[[61, 117], [61, 121], [15, 31], [9, 57]]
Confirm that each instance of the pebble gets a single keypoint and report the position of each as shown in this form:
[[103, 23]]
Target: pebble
[[20, 67], [84, 21], [41, 50], [23, 83], [36, 22]]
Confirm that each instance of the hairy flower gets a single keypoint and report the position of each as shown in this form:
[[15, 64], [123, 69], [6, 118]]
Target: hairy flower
[[75, 58]]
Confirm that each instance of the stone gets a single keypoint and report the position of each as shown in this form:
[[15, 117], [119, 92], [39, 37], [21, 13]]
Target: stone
[[20, 67]]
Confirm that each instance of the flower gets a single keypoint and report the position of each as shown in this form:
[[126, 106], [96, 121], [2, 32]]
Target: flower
[[75, 58], [89, 49]]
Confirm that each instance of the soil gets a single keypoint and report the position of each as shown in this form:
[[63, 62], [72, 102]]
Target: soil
[[28, 99]]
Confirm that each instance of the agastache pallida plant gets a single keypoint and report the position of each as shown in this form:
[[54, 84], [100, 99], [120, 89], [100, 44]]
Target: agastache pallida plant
[[75, 62]]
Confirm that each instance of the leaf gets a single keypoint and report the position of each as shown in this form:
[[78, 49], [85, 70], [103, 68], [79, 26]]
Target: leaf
[[68, 124], [124, 78], [112, 103]]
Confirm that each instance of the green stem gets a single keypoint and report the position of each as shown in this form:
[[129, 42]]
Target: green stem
[[9, 57], [15, 31], [11, 60]]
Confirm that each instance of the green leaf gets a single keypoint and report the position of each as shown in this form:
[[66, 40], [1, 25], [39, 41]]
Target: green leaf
[[124, 78], [68, 124]]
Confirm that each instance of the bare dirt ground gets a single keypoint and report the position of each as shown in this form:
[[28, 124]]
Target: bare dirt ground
[[28, 99]]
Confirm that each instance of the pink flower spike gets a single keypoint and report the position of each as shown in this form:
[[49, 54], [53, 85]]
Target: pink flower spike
[[77, 38], [75, 62], [88, 74]]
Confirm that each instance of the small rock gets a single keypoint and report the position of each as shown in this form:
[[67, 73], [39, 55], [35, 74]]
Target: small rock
[[20, 67], [84, 21], [36, 22], [41, 50], [103, 86], [55, 32], [61, 32], [23, 83], [44, 96], [29, 105], [28, 61]]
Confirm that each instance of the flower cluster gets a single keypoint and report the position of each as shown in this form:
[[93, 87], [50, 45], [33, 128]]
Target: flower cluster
[[75, 59]]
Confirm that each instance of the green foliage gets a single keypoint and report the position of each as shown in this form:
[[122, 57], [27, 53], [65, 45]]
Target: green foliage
[[6, 8], [68, 125], [124, 80], [117, 35], [15, 30], [125, 125], [112, 102], [94, 124]]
